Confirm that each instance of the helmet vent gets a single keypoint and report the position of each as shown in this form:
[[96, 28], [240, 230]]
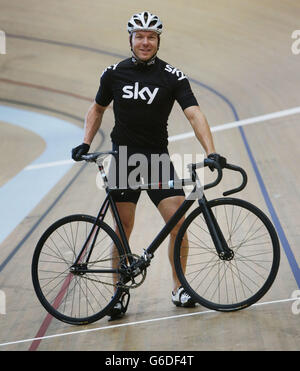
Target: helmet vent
[[144, 21]]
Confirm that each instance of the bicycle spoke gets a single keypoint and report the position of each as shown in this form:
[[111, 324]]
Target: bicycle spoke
[[227, 283], [77, 295]]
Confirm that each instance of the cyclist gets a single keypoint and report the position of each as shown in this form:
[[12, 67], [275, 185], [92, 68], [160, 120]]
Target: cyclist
[[144, 89]]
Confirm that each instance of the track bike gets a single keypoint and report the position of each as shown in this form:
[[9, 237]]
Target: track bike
[[226, 253]]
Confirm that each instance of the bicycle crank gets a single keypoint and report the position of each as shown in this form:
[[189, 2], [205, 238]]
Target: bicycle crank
[[134, 275]]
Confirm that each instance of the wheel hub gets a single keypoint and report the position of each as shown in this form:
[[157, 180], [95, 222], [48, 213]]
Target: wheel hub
[[226, 255]]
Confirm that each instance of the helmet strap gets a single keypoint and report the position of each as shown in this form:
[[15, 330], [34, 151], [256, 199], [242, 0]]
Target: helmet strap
[[138, 62]]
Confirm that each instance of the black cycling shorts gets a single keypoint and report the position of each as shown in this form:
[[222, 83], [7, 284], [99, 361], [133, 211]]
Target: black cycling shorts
[[154, 166]]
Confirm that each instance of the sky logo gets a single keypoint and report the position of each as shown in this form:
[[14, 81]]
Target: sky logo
[[133, 92]]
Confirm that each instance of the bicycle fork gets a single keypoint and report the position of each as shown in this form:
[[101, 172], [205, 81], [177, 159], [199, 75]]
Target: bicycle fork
[[222, 248]]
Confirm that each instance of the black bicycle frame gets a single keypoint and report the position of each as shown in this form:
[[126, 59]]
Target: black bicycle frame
[[216, 234]]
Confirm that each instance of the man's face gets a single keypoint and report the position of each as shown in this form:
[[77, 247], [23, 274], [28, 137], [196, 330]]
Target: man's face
[[144, 44]]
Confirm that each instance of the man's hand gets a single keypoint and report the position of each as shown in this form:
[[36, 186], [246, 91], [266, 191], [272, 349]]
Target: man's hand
[[80, 150], [218, 158]]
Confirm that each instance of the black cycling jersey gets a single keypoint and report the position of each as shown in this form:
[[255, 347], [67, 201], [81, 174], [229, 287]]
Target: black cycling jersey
[[143, 99]]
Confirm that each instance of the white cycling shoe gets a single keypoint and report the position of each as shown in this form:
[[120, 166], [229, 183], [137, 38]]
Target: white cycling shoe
[[182, 299]]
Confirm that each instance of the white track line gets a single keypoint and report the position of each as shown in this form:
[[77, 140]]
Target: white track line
[[234, 124], [135, 323], [175, 138], [49, 164]]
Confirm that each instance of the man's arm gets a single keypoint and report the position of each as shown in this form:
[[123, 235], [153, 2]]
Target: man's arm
[[93, 122], [201, 128]]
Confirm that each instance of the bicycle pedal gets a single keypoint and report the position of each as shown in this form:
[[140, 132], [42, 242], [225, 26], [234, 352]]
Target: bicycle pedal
[[120, 308]]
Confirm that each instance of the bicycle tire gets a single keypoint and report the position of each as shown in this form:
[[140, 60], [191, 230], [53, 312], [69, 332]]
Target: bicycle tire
[[258, 256], [75, 299]]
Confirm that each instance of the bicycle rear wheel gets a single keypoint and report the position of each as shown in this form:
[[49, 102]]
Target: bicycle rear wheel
[[76, 298], [240, 282]]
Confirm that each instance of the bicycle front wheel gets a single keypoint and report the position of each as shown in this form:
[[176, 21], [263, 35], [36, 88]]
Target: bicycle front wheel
[[79, 298], [237, 283]]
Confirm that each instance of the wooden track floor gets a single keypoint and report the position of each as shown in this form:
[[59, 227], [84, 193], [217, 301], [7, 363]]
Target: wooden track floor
[[238, 57]]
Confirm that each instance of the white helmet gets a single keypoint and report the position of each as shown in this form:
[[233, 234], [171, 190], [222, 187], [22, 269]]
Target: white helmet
[[144, 21]]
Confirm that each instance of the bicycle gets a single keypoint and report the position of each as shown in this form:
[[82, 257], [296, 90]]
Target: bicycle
[[226, 253]]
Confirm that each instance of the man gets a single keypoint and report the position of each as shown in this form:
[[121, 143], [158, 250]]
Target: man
[[144, 89]]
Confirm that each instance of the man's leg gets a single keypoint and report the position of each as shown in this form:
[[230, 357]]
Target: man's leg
[[167, 207], [126, 211]]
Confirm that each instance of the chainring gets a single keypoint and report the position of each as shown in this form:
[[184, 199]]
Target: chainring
[[134, 283]]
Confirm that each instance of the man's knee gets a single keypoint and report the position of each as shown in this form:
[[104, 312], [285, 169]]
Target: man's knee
[[127, 224], [168, 207]]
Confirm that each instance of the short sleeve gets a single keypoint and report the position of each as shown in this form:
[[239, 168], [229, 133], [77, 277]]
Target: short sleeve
[[104, 95], [184, 94]]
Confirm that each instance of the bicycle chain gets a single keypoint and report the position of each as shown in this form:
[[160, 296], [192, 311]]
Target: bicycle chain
[[119, 285]]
